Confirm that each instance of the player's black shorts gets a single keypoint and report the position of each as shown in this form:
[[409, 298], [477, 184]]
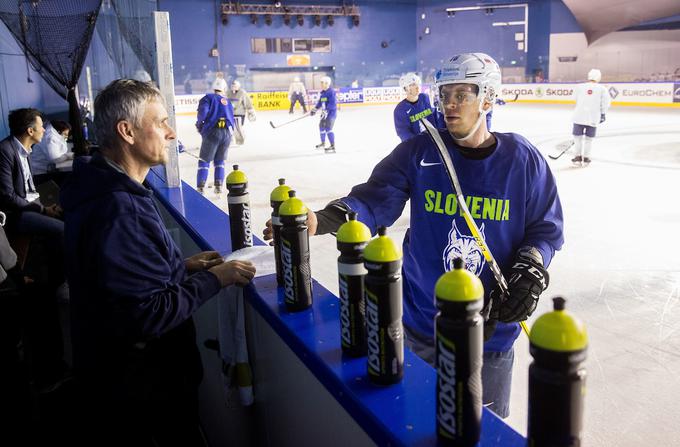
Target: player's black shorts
[[580, 129]]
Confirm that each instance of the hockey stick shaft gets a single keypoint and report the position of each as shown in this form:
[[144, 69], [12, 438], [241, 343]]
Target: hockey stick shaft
[[288, 122], [472, 225]]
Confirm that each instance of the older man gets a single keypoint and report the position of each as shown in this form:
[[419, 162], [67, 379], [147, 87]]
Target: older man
[[132, 293]]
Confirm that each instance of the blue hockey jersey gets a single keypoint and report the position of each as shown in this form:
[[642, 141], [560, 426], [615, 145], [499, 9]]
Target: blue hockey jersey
[[211, 108], [511, 194], [327, 102], [407, 116]]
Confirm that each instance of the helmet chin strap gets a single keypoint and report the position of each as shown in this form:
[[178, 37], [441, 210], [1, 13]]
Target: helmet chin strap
[[482, 116]]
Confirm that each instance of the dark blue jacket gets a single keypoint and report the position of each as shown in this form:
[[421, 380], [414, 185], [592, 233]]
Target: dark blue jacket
[[128, 283]]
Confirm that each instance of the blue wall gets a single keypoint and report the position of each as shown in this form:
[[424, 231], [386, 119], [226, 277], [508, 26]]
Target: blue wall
[[356, 51]]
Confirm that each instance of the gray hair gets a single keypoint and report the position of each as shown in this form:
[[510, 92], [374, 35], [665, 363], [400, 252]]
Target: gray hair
[[122, 99]]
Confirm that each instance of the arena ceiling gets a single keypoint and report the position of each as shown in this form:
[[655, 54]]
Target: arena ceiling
[[613, 15]]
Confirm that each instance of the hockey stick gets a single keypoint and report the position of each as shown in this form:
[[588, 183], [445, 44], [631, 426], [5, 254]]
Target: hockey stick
[[479, 239], [505, 101], [192, 155], [288, 122], [563, 147]]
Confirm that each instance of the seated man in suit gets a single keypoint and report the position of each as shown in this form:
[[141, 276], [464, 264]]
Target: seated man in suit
[[26, 216], [18, 196]]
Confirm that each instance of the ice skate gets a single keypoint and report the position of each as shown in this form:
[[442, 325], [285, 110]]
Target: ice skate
[[330, 149], [320, 146]]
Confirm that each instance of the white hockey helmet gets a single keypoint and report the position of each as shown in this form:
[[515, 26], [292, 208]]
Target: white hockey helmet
[[478, 69], [409, 78], [326, 80], [220, 85], [594, 75]]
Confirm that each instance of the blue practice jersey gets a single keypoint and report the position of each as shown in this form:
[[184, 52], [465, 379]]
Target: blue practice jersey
[[511, 194], [211, 108], [407, 116], [327, 102]]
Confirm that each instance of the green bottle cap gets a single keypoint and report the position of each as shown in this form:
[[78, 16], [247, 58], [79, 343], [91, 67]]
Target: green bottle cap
[[559, 330], [459, 285], [382, 248]]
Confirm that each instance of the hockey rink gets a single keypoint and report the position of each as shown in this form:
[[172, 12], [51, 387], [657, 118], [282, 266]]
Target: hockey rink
[[619, 268]]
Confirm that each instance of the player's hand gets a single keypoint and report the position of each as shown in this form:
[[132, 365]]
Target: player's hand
[[602, 118], [312, 224], [268, 232], [528, 279], [312, 112], [234, 272], [202, 261], [251, 116]]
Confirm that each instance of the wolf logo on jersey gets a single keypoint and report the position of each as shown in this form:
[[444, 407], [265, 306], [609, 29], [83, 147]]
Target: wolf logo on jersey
[[463, 246]]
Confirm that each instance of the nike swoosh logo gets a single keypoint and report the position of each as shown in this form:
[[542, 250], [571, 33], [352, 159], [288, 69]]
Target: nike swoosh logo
[[408, 111], [425, 164]]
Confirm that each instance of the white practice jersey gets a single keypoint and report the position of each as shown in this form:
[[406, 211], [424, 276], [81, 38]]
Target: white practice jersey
[[592, 100]]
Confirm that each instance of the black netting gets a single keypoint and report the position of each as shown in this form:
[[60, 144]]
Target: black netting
[[55, 36], [125, 31], [137, 27]]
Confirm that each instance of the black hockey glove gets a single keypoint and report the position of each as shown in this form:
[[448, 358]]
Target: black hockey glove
[[312, 112], [602, 118], [527, 280]]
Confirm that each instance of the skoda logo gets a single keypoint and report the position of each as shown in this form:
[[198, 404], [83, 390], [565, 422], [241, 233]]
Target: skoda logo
[[539, 91], [676, 93], [613, 92]]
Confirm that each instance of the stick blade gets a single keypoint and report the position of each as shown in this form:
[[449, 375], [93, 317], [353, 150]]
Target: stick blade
[[272, 124], [561, 149]]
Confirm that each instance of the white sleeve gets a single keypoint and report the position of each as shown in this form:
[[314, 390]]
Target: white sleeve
[[55, 145]]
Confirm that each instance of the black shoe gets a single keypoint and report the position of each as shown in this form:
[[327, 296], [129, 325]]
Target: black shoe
[[199, 189], [330, 149], [577, 159], [586, 160], [218, 188], [320, 146]]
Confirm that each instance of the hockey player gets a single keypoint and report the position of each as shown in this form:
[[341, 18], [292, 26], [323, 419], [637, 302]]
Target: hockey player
[[328, 106], [215, 123], [297, 93], [592, 104], [242, 105], [412, 109], [511, 194]]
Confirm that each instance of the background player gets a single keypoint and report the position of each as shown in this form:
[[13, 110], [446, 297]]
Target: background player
[[592, 104], [215, 122], [412, 109], [328, 106]]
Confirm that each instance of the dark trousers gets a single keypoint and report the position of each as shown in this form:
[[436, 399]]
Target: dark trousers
[[297, 97]]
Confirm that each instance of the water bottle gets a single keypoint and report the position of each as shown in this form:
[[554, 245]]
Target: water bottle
[[352, 237], [276, 198], [459, 332], [297, 274], [238, 201], [557, 379], [384, 330]]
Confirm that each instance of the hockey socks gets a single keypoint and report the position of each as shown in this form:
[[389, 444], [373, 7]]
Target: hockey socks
[[331, 137], [202, 173], [219, 172]]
